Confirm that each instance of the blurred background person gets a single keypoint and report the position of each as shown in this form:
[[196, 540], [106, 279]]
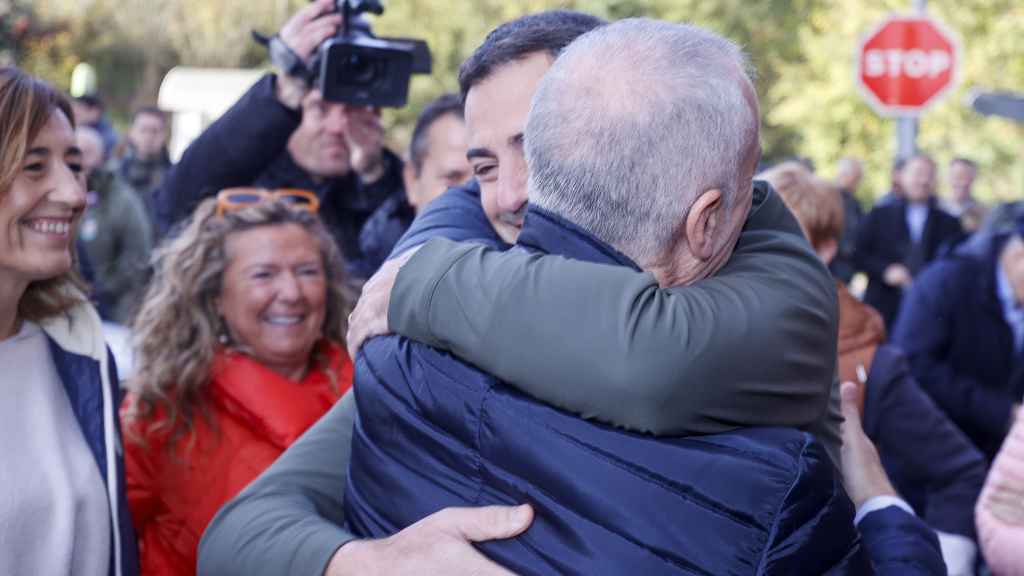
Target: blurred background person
[[90, 111], [962, 329], [282, 134], [436, 161], [63, 508], [239, 349], [933, 466], [1001, 507], [961, 202], [849, 173], [897, 239], [144, 159], [895, 191], [115, 231]]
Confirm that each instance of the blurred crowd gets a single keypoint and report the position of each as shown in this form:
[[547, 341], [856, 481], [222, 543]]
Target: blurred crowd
[[577, 326]]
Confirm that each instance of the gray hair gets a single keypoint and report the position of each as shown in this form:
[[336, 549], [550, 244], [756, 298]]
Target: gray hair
[[633, 121]]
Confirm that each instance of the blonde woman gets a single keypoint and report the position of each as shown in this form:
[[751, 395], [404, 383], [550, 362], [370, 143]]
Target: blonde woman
[[240, 348], [62, 505]]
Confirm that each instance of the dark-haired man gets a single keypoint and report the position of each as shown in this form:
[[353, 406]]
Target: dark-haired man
[[144, 160], [436, 161], [897, 240], [90, 111]]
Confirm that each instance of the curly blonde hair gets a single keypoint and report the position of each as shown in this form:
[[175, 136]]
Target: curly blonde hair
[[26, 105], [176, 329]]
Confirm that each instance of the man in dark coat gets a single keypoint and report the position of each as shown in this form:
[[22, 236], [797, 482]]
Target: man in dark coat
[[436, 162], [280, 134], [896, 240], [962, 330], [848, 178], [144, 159]]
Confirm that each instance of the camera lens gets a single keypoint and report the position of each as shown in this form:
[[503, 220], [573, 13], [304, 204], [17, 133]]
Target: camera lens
[[358, 70]]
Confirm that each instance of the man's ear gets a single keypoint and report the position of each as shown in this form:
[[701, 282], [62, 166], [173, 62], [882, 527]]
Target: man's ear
[[702, 223], [409, 179]]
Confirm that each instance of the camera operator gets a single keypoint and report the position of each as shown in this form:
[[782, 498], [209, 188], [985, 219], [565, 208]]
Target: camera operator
[[282, 134]]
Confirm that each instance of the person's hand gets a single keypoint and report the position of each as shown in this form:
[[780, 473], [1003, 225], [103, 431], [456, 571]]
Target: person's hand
[[897, 275], [365, 136], [863, 474], [309, 27], [439, 544], [370, 317], [302, 33]]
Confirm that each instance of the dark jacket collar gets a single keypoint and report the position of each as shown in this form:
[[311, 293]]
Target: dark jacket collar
[[546, 232]]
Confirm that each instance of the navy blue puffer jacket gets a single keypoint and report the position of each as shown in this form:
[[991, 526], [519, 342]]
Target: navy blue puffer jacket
[[434, 432]]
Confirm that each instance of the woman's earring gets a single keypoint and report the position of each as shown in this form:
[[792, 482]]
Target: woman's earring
[[223, 337]]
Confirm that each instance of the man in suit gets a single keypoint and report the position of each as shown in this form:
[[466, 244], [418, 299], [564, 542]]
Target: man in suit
[[898, 239]]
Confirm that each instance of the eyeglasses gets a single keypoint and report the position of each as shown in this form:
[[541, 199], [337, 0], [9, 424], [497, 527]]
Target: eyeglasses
[[233, 199]]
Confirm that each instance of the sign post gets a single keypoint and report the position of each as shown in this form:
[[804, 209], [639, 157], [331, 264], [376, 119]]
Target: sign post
[[904, 66]]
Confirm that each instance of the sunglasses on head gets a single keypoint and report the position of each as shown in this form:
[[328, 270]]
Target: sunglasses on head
[[233, 199]]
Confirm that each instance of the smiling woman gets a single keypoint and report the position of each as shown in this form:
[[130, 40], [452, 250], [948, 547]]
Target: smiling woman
[[63, 505], [240, 346]]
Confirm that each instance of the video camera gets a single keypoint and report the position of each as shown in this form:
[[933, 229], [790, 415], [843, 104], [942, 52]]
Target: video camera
[[356, 67]]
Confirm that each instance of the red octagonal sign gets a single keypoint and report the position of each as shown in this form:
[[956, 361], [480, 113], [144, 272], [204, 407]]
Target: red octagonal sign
[[906, 64]]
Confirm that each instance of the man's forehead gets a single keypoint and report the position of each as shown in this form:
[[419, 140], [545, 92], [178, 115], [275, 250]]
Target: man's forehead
[[497, 106]]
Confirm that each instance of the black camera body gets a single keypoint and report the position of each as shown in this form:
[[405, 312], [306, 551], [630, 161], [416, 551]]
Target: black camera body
[[356, 67]]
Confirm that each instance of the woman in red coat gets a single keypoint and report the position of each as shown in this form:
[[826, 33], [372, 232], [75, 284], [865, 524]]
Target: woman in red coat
[[240, 349]]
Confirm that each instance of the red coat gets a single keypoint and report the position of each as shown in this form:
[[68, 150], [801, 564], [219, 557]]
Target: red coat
[[257, 414]]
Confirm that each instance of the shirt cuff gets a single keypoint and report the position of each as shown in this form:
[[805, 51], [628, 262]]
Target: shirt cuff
[[959, 553], [879, 502]]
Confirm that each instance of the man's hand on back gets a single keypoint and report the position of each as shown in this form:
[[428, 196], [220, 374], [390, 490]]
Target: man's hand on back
[[370, 317], [439, 544]]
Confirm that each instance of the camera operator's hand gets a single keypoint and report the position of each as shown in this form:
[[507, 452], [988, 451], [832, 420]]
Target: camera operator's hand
[[302, 33], [365, 136]]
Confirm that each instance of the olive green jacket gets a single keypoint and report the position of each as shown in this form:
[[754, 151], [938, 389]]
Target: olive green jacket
[[755, 345]]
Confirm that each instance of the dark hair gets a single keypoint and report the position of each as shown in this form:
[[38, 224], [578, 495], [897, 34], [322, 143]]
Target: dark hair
[[900, 162], [442, 106], [90, 100], [151, 111], [965, 161], [549, 32]]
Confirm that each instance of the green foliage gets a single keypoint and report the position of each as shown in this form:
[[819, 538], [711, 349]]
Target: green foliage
[[817, 94], [803, 52]]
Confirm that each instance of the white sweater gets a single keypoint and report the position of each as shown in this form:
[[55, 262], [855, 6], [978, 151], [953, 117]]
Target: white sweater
[[54, 513]]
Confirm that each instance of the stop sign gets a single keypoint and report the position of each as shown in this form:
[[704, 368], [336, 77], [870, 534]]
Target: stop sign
[[906, 63]]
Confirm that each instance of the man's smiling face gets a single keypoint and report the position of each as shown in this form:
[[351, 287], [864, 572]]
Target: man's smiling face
[[496, 111]]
